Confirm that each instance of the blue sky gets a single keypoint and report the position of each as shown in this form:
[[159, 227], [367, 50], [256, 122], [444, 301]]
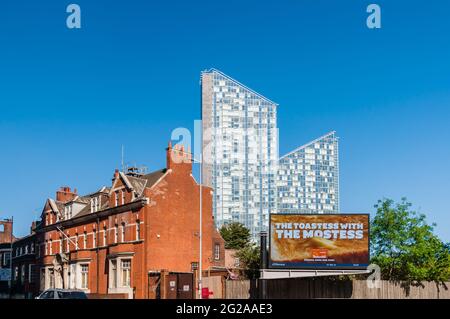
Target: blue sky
[[70, 98]]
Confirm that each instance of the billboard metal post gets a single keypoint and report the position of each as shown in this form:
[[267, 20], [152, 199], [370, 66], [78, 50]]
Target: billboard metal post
[[263, 256], [263, 249]]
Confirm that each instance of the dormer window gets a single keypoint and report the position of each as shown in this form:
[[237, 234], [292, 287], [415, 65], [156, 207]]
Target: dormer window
[[95, 204], [68, 211], [117, 198], [123, 197]]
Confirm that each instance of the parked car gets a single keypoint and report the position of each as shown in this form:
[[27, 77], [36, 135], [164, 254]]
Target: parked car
[[62, 294]]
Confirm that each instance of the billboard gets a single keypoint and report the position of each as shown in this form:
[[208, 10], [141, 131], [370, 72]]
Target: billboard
[[319, 241]]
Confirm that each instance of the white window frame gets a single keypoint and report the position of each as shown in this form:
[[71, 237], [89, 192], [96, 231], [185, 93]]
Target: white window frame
[[138, 230], [116, 198], [94, 238], [67, 244], [84, 276], [122, 233], [124, 282], [22, 273], [51, 278], [85, 241], [216, 252], [30, 271], [114, 273]]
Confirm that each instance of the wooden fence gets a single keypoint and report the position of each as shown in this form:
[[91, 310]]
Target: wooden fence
[[303, 288]]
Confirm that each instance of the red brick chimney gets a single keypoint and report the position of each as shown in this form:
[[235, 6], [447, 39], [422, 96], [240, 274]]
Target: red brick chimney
[[178, 159], [33, 226], [64, 194], [5, 231]]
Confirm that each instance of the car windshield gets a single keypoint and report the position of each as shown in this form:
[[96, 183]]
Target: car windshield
[[71, 295]]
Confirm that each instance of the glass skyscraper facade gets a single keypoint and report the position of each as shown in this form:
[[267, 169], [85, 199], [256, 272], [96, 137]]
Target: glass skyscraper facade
[[240, 151], [308, 178]]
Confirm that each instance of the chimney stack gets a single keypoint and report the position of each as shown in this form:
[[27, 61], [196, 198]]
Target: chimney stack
[[33, 227], [5, 231], [178, 158], [64, 194]]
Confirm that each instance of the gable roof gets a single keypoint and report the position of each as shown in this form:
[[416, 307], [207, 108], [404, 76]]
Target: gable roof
[[154, 177], [54, 206], [139, 183]]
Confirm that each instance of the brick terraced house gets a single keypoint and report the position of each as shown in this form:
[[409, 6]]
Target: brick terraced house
[[24, 269], [6, 238], [129, 238]]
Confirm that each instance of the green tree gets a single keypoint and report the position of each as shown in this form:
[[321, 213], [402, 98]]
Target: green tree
[[236, 235], [405, 247], [249, 257]]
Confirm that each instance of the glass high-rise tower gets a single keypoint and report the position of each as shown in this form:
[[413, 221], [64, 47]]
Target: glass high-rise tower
[[308, 178], [240, 151]]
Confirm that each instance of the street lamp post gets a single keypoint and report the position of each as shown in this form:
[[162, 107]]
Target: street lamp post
[[200, 222]]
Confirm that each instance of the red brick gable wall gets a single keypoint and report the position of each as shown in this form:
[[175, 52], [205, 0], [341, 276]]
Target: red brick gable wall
[[173, 223]]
